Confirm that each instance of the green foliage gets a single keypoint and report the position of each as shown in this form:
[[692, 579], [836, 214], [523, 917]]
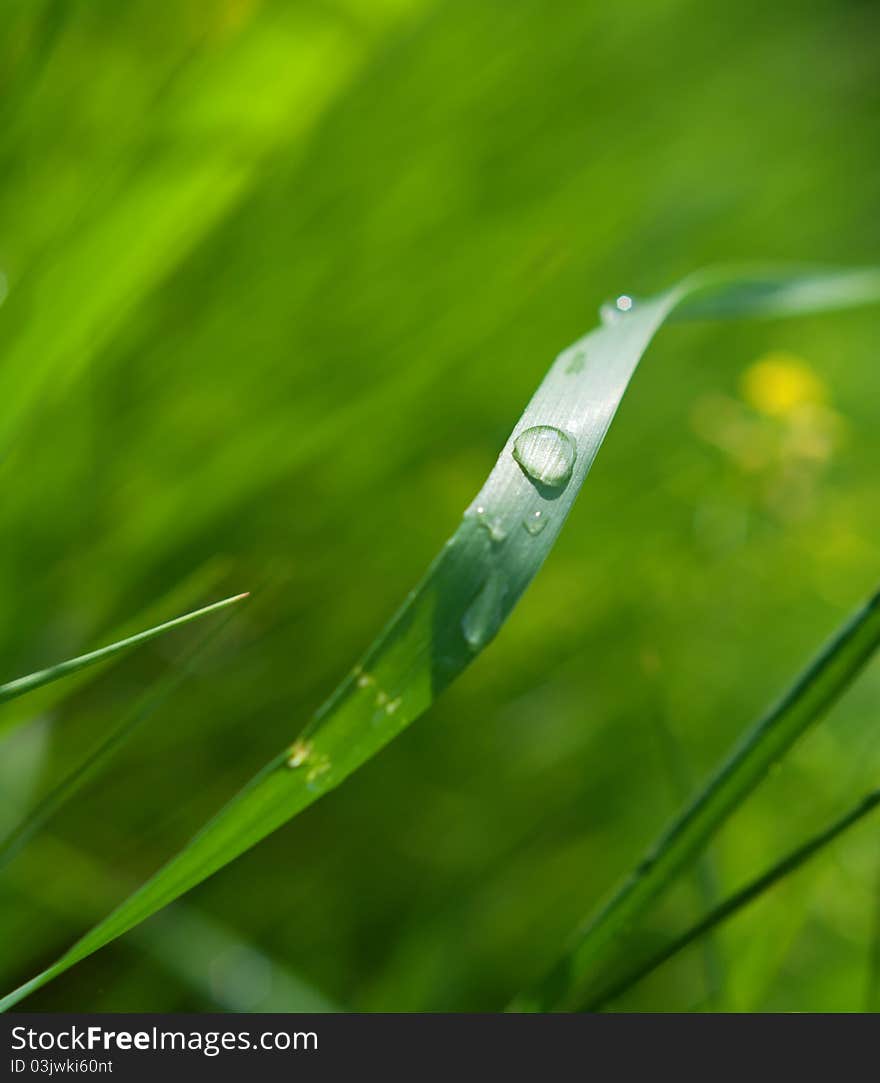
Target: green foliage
[[279, 278], [746, 895], [818, 687]]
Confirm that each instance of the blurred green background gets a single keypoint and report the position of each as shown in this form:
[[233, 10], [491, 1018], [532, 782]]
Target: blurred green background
[[280, 278]]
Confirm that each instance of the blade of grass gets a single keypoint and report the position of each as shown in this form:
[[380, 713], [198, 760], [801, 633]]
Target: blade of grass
[[872, 993], [199, 584], [73, 782], [812, 694], [23, 685], [705, 879], [740, 899], [468, 591], [186, 942]]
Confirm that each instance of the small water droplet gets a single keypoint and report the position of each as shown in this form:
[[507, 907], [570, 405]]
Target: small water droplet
[[612, 312], [493, 526], [535, 522], [298, 753], [381, 698], [364, 680], [546, 455], [392, 705], [483, 618]]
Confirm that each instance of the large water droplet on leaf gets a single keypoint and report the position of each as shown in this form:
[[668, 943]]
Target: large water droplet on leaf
[[546, 455]]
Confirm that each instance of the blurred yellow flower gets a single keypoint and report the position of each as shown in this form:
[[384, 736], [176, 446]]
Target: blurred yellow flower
[[779, 383]]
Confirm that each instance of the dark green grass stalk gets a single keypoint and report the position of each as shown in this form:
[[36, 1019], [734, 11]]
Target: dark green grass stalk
[[812, 694], [738, 901], [872, 993], [22, 685], [104, 750], [705, 878]]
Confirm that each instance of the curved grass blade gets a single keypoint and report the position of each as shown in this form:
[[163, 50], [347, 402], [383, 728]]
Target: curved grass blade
[[469, 589], [23, 685], [740, 899], [826, 678]]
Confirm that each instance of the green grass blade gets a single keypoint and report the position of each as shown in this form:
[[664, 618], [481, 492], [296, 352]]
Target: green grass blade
[[740, 899], [829, 675], [716, 294], [872, 992], [73, 782], [23, 685], [187, 943], [705, 878], [465, 597], [200, 583]]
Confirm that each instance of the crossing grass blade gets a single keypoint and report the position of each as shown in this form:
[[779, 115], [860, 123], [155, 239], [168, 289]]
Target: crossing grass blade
[[23, 685], [738, 901], [817, 688], [475, 581]]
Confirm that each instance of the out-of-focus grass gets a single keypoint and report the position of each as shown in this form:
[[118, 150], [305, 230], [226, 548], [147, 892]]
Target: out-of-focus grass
[[252, 300]]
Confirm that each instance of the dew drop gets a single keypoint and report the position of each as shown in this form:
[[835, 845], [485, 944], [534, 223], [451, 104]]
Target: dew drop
[[483, 617], [611, 312], [493, 526], [546, 455], [535, 522]]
